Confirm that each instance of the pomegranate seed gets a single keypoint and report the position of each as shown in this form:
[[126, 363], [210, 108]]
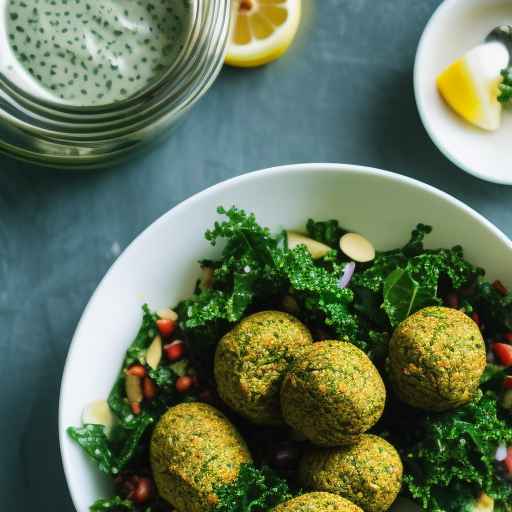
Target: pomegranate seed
[[135, 407], [476, 318], [500, 287], [137, 370], [142, 492], [165, 326], [184, 384], [503, 352], [507, 383], [175, 350], [508, 461], [508, 336], [149, 388]]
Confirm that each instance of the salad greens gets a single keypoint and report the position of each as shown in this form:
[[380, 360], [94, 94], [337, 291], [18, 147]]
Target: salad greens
[[449, 458], [254, 489], [93, 440], [126, 444], [453, 456], [257, 269]]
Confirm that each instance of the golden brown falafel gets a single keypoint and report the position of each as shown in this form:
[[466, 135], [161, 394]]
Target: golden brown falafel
[[252, 359], [436, 359], [368, 473], [193, 449], [332, 394], [317, 502]]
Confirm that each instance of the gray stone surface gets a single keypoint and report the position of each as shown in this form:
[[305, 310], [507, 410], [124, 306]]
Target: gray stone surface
[[343, 94]]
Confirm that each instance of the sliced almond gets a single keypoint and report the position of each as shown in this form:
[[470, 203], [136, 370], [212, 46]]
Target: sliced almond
[[357, 247], [316, 249], [133, 388], [154, 353], [98, 413], [168, 314]]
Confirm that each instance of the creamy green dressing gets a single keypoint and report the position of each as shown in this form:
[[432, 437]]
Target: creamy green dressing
[[94, 52]]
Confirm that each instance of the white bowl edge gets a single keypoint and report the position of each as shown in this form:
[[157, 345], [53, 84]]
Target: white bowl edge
[[254, 177]]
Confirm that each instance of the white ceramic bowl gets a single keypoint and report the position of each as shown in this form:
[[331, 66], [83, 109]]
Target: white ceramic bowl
[[160, 267], [456, 27]]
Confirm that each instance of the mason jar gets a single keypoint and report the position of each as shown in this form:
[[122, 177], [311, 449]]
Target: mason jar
[[39, 129]]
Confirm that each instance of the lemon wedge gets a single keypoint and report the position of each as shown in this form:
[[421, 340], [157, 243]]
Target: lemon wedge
[[262, 31], [470, 85]]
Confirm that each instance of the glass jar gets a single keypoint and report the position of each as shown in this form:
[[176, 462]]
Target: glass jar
[[71, 137]]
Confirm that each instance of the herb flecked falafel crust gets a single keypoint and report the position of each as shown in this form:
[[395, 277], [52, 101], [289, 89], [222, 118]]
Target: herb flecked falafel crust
[[252, 359], [194, 449], [317, 502], [333, 394], [437, 357], [368, 473]]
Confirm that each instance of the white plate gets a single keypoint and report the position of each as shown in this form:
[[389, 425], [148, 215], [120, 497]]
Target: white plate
[[160, 267], [456, 27]]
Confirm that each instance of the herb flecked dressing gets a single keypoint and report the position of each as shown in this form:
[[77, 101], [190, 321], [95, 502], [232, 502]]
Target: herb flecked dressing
[[88, 53]]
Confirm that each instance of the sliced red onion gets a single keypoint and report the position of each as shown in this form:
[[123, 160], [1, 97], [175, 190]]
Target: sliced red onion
[[348, 272], [501, 452]]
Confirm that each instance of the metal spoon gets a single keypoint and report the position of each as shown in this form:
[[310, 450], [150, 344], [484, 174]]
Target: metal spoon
[[503, 35]]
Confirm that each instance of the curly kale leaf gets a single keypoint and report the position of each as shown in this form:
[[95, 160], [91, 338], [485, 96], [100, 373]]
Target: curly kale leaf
[[408, 279], [254, 490], [245, 274], [453, 455], [327, 232], [415, 246], [319, 291], [254, 269]]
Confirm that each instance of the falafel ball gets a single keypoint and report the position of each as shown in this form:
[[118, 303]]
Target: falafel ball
[[368, 473], [193, 449], [333, 394], [252, 359], [436, 359], [317, 502]]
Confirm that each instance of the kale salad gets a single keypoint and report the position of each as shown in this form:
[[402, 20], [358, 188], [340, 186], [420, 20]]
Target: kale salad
[[456, 459]]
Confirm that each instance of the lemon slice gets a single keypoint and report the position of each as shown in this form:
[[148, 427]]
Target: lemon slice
[[470, 85], [262, 31]]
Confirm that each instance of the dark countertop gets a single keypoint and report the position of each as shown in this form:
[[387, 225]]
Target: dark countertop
[[343, 94]]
